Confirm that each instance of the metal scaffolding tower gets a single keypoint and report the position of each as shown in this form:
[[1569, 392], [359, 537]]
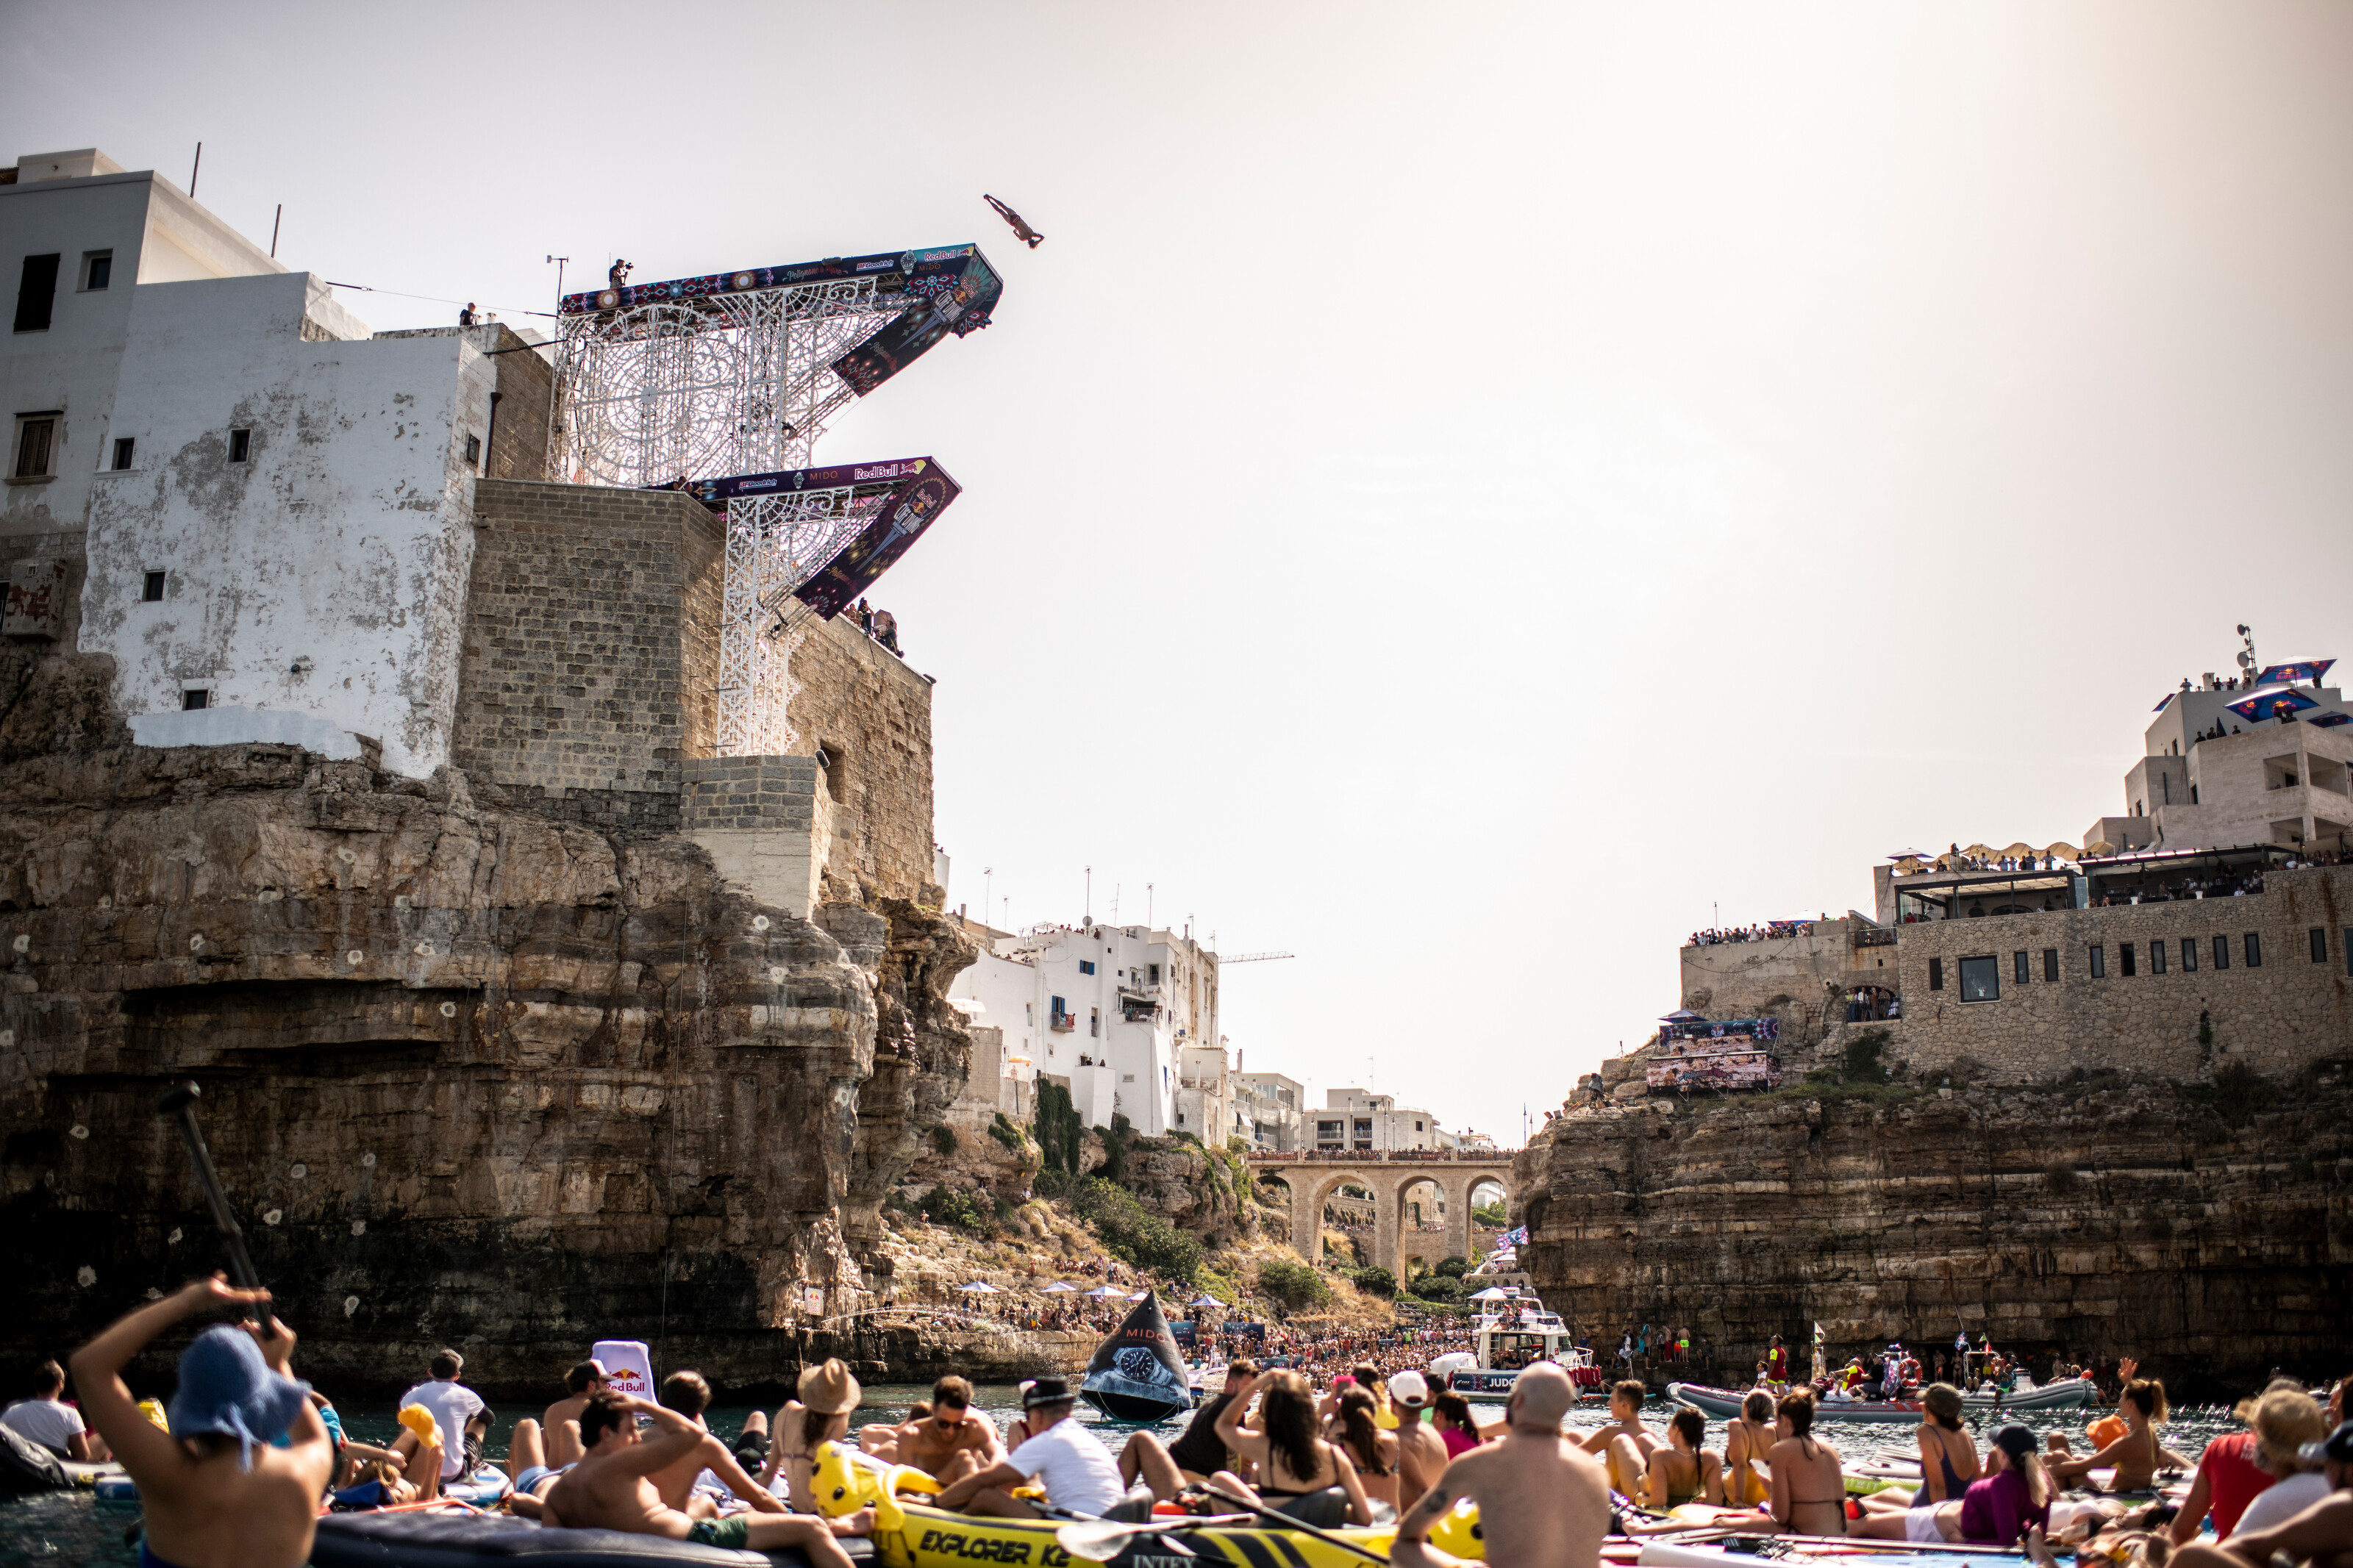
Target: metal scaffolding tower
[[736, 373]]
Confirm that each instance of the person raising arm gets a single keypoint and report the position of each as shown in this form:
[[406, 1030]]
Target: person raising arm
[[215, 1494]]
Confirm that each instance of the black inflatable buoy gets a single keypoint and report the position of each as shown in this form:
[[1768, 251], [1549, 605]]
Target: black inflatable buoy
[[1137, 1373]]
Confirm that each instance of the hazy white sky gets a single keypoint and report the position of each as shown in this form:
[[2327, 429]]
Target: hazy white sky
[[1462, 492]]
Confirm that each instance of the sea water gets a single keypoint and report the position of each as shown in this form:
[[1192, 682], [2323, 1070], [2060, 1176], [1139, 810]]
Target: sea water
[[60, 1527]]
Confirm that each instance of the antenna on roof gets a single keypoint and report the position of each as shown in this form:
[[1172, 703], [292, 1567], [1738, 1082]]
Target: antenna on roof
[[193, 170], [2247, 653]]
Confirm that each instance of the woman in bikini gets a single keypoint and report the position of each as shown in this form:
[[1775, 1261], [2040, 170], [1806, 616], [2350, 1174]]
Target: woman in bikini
[[821, 1414], [1683, 1471], [1808, 1479], [2137, 1454], [1296, 1468], [1948, 1463], [1747, 1438], [1372, 1451]]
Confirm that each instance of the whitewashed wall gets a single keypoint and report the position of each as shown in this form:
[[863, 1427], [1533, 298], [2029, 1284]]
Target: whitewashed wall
[[327, 574]]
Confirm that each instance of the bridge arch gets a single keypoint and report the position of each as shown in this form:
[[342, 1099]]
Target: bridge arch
[[1312, 1182]]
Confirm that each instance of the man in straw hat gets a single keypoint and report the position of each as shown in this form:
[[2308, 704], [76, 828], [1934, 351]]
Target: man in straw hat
[[216, 1493], [612, 1488], [1077, 1470]]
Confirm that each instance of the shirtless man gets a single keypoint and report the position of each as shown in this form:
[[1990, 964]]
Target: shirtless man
[[687, 1393], [1421, 1452], [1543, 1501], [951, 1443], [537, 1455], [612, 1488], [1626, 1444], [215, 1496]]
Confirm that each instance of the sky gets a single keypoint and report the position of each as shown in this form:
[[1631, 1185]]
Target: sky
[[1464, 496]]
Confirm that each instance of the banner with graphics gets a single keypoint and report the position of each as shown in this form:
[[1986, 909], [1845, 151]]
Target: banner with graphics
[[878, 546]]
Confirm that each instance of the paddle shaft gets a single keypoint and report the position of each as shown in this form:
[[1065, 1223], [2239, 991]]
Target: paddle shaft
[[1287, 1522], [181, 1098]]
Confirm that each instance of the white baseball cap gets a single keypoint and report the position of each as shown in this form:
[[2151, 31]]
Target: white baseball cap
[[1408, 1389]]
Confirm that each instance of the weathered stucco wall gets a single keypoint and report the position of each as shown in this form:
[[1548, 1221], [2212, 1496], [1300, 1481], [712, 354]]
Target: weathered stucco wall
[[325, 573]]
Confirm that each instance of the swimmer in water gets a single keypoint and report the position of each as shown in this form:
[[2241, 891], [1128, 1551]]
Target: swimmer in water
[[215, 1494]]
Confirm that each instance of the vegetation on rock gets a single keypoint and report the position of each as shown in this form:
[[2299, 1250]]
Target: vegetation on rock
[[1292, 1286]]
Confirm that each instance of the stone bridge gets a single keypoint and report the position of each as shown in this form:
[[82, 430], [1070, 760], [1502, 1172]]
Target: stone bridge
[[1388, 1176]]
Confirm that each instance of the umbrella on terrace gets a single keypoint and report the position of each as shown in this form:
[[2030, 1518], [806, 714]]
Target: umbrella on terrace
[[1205, 1301], [982, 1288], [1909, 855], [1684, 1016], [1491, 1294], [2310, 669], [2020, 849], [1981, 851], [1058, 1289], [1108, 1293], [2063, 851], [2101, 847], [2272, 702]]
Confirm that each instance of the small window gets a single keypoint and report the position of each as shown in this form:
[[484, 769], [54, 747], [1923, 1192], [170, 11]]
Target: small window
[[151, 592], [2018, 966], [2050, 964], [240, 445], [2320, 944], [2157, 957], [2188, 955], [1153, 970], [96, 271], [2099, 961], [36, 292], [1936, 974], [1086, 966], [473, 451], [2255, 949], [2222, 953], [194, 698], [1981, 979], [2127, 956], [124, 445], [33, 455]]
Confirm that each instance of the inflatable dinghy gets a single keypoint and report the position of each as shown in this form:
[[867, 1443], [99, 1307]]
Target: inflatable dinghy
[[483, 1488], [470, 1540], [1135, 1373]]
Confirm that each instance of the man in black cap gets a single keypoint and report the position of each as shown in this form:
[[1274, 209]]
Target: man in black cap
[[2322, 1533], [1076, 1470]]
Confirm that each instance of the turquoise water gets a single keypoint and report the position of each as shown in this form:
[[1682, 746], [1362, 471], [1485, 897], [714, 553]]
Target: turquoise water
[[71, 1528]]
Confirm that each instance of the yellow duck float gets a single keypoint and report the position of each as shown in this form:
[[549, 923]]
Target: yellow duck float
[[911, 1534]]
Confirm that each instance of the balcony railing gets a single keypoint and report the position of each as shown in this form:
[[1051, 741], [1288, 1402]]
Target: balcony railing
[[1875, 936]]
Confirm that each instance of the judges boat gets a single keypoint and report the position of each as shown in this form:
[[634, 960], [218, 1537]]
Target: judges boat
[[1514, 1333], [2066, 1395]]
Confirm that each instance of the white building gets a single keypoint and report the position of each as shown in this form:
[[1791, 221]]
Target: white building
[[1356, 1119], [1106, 1012], [275, 509], [1269, 1109]]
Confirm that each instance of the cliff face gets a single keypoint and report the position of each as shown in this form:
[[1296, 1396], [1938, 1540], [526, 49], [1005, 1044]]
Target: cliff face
[[478, 1076], [2207, 1228]]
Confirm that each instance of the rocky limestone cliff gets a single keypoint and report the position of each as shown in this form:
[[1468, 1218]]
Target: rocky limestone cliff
[[1205, 1194], [478, 1076], [2207, 1228]]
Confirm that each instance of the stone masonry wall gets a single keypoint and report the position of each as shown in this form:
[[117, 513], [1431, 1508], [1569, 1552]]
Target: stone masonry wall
[[871, 712], [590, 658], [2283, 1014]]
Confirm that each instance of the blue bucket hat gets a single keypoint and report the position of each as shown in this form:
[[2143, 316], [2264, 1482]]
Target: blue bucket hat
[[227, 1389]]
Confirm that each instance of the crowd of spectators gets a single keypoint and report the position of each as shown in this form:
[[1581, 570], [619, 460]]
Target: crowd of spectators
[[1771, 931]]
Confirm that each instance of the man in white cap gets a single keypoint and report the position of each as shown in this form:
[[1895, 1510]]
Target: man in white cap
[[1421, 1452], [1543, 1501], [1077, 1470]]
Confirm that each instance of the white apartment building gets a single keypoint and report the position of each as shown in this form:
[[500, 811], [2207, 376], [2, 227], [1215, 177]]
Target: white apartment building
[[1358, 1119], [1107, 1012], [269, 510], [1269, 1109]]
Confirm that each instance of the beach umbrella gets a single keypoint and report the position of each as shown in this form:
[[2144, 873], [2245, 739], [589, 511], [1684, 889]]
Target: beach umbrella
[[1140, 1295], [1205, 1301], [2064, 851], [2020, 849], [1981, 850], [1057, 1288], [1491, 1294], [1908, 854], [2272, 702], [2299, 669], [2102, 847], [1108, 1293], [982, 1288], [1684, 1016]]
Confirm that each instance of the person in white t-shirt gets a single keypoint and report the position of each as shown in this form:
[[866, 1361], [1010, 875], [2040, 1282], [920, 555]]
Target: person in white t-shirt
[[49, 1420], [1077, 1470], [456, 1409]]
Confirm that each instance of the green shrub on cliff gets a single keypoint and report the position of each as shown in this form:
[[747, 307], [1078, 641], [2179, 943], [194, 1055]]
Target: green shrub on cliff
[[944, 1139], [1061, 1134], [1133, 1233], [1437, 1288], [1293, 1287], [1454, 1267], [947, 1205], [1375, 1281], [1005, 1133]]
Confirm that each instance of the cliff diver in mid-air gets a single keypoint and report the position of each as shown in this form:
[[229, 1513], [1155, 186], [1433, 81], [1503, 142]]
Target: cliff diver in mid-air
[[1021, 230]]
